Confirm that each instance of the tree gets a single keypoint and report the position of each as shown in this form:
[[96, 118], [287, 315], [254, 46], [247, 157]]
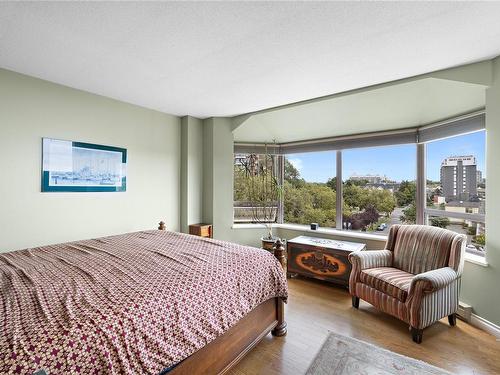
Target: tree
[[351, 182], [382, 200], [360, 198], [480, 239], [405, 195], [441, 222], [361, 220], [312, 202], [409, 214], [354, 196], [332, 183], [296, 202], [292, 174], [369, 215], [471, 231]]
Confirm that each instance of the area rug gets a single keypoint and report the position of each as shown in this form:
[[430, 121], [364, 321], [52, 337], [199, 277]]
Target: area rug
[[341, 355]]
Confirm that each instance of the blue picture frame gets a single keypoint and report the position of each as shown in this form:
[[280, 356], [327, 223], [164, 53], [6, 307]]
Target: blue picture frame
[[69, 166]]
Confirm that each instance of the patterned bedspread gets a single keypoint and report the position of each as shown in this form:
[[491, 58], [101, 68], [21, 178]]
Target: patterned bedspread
[[135, 303]]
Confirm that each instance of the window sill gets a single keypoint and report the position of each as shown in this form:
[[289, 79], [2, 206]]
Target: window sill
[[250, 226], [476, 259], [471, 258], [327, 231]]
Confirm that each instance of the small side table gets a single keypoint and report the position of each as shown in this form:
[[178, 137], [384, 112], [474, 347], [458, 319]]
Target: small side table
[[201, 229]]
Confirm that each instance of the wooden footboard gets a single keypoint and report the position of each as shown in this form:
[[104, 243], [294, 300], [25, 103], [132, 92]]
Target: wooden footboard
[[227, 350]]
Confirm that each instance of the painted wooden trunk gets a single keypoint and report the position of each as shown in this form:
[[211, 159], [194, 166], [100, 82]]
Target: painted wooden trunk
[[321, 258]]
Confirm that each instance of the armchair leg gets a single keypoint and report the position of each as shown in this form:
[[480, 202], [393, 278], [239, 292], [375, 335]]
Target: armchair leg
[[452, 319], [416, 335], [355, 302]]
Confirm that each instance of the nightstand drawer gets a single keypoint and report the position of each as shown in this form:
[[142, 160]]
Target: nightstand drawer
[[205, 231]]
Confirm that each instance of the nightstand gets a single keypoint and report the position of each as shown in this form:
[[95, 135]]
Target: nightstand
[[201, 229]]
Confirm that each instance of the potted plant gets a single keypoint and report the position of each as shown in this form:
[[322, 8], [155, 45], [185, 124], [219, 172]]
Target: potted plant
[[264, 192]]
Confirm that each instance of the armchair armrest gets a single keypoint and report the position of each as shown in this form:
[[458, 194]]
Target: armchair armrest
[[433, 280], [370, 259], [442, 285]]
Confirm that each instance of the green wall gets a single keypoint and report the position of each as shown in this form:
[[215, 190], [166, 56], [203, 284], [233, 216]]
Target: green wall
[[208, 173], [481, 285], [191, 172], [30, 109]]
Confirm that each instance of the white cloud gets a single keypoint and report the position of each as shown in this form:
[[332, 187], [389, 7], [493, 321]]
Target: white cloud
[[297, 163]]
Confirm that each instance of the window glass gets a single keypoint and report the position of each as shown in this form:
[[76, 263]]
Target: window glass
[[256, 188], [309, 188], [456, 183], [475, 231], [379, 187]]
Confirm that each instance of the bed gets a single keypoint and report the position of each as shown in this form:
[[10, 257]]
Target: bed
[[152, 302]]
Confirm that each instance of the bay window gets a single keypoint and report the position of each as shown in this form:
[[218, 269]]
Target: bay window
[[431, 175]]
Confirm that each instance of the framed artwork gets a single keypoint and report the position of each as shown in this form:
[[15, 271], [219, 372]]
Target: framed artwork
[[82, 167]]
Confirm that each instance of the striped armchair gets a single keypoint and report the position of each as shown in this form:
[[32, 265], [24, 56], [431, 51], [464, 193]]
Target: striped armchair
[[416, 278]]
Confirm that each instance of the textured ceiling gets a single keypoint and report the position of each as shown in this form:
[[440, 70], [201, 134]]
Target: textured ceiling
[[227, 58]]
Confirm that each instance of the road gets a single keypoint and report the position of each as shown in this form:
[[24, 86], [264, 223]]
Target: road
[[398, 211]]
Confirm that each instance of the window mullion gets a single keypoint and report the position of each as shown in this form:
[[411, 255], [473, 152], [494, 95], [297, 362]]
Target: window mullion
[[281, 182], [339, 194], [421, 195]]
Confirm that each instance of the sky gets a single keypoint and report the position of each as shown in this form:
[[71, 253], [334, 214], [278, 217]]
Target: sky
[[396, 162]]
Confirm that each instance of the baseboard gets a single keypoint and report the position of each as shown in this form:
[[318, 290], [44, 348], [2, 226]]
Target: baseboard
[[485, 325]]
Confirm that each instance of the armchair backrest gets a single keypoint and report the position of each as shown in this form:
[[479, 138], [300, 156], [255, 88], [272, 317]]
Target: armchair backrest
[[422, 248]]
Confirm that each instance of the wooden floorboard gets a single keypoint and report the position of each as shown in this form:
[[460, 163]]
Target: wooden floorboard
[[316, 308]]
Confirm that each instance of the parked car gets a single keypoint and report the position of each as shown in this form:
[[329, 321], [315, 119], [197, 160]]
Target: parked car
[[382, 226]]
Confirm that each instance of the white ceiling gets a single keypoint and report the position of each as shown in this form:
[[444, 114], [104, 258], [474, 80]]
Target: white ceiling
[[396, 106], [227, 58]]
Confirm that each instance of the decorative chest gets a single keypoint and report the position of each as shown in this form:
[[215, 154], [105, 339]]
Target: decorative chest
[[321, 258]]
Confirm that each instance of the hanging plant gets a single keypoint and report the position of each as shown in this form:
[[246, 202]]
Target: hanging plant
[[264, 188]]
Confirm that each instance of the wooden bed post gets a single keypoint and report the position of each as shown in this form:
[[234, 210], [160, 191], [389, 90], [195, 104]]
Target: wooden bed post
[[161, 225], [279, 253]]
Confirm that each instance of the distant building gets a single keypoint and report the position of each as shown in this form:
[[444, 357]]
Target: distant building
[[438, 199], [465, 207], [479, 177], [370, 178], [459, 177], [391, 186]]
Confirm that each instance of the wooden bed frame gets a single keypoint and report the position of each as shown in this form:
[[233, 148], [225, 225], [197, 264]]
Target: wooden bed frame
[[227, 350]]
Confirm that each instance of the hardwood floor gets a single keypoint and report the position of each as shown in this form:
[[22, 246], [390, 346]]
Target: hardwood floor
[[315, 309]]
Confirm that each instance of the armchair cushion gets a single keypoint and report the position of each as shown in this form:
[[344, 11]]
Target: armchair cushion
[[370, 258], [388, 280], [431, 281]]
